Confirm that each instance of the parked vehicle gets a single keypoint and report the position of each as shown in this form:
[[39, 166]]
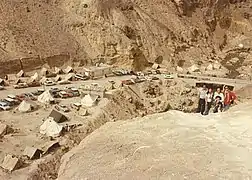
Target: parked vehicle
[[74, 91], [30, 96], [128, 82], [63, 94], [4, 106], [1, 88], [11, 102], [81, 77], [20, 85], [168, 76], [62, 108], [49, 83], [76, 106]]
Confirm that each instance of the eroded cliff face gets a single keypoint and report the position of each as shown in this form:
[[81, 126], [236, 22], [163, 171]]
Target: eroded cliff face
[[127, 33]]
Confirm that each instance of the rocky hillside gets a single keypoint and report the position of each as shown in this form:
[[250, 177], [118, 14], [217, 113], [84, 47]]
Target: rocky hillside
[[125, 32], [172, 145]]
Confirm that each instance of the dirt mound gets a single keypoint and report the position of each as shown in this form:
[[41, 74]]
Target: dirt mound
[[245, 92], [172, 145], [127, 33], [151, 97]]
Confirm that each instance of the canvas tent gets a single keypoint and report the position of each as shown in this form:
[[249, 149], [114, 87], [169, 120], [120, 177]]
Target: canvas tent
[[43, 80], [57, 78], [35, 77], [46, 98], [70, 77], [51, 128], [69, 69], [2, 82], [89, 100], [58, 70], [57, 116], [18, 81], [27, 106], [20, 74], [44, 71]]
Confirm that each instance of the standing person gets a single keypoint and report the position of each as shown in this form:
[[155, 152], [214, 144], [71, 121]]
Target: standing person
[[220, 94], [202, 99], [229, 98], [209, 101]]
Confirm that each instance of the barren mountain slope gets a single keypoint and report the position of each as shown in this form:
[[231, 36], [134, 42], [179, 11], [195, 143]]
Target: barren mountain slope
[[129, 33]]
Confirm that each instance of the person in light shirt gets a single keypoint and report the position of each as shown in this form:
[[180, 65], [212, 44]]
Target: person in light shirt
[[209, 101], [220, 94], [202, 99]]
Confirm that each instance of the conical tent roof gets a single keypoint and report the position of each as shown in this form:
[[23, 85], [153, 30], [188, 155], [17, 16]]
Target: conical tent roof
[[58, 70], [57, 78], [26, 106], [44, 71], [70, 77], [43, 80], [21, 73], [45, 97], [35, 77], [68, 69], [50, 128], [89, 100]]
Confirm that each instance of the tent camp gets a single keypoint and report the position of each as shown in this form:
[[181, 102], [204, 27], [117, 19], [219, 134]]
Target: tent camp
[[43, 80], [69, 69], [35, 77], [46, 98], [44, 71], [58, 70], [18, 80], [57, 116], [2, 82], [20, 74], [27, 106], [70, 77], [50, 128], [57, 78], [89, 100]]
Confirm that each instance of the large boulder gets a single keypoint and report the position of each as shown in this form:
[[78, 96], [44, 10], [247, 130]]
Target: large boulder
[[172, 145]]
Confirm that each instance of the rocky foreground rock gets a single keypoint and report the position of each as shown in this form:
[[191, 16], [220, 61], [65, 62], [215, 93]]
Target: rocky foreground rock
[[172, 145]]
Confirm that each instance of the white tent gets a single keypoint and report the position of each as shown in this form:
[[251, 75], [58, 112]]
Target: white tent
[[45, 97], [70, 77], [89, 100], [57, 78], [34, 78], [21, 74], [43, 80], [58, 70], [50, 128], [69, 69], [26, 106], [44, 71]]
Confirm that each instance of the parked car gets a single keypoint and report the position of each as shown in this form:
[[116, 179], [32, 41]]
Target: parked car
[[1, 88], [74, 91], [11, 102], [20, 85], [4, 106], [62, 108], [128, 82], [49, 83], [38, 92], [30, 96], [63, 94], [76, 106], [55, 92], [81, 77], [168, 76]]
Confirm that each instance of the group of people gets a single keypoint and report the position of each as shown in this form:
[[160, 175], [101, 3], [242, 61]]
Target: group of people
[[220, 100]]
